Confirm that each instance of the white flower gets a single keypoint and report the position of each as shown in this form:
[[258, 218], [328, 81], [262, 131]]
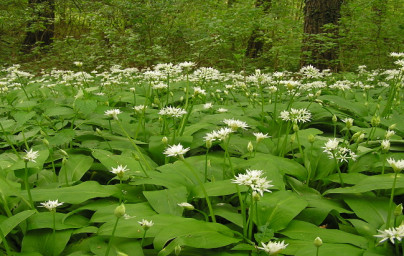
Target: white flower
[[198, 90], [223, 133], [78, 63], [176, 150], [31, 156], [331, 145], [253, 179], [397, 165], [222, 110], [385, 145], [119, 171], [348, 122], [260, 136], [160, 86], [172, 112], [273, 248], [113, 113], [389, 134], [51, 205], [391, 234], [146, 224], [235, 124], [296, 115], [207, 105], [139, 108]]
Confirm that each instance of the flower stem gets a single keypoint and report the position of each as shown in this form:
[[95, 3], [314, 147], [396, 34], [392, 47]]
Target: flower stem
[[27, 187], [212, 215], [3, 238], [338, 169], [391, 201], [54, 231], [112, 236], [143, 237]]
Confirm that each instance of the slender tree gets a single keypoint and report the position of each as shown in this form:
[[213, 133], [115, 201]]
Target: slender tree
[[41, 27], [255, 43], [320, 47]]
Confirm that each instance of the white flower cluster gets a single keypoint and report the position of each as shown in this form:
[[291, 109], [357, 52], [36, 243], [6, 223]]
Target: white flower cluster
[[235, 124], [172, 112], [397, 165], [31, 156], [176, 150], [51, 205], [119, 171], [391, 234], [296, 115], [113, 113], [311, 72], [333, 149], [273, 248], [219, 135], [254, 179]]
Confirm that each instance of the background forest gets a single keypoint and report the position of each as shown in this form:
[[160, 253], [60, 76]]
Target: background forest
[[229, 35]]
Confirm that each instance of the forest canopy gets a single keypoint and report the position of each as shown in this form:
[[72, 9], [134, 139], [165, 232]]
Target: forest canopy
[[230, 35]]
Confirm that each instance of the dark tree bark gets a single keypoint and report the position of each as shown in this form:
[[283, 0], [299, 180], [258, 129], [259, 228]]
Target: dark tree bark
[[255, 43], [44, 16], [315, 50]]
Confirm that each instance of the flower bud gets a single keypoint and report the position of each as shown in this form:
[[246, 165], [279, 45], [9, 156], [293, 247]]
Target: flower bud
[[375, 121], [389, 134], [64, 160], [398, 210], [46, 142], [121, 254], [164, 140], [311, 138], [392, 127], [318, 242], [120, 211], [250, 147], [98, 131], [208, 144], [295, 128], [177, 250], [256, 196], [64, 153], [187, 206], [334, 119], [385, 145]]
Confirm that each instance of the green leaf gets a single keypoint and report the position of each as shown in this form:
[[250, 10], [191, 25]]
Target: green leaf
[[301, 230], [75, 194], [58, 111], [371, 183], [10, 223], [109, 160], [328, 249], [217, 188], [228, 212], [45, 220], [105, 213], [277, 209], [74, 168], [166, 201], [61, 138], [275, 164], [371, 209], [85, 107], [42, 241], [194, 233]]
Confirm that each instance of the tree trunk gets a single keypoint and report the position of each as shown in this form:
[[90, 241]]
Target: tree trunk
[[41, 27], [320, 47], [255, 43]]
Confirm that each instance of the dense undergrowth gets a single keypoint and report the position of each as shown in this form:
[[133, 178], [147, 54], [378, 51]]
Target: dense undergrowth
[[191, 161]]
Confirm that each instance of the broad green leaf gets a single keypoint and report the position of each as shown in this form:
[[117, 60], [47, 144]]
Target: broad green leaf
[[45, 220], [228, 212], [105, 213], [217, 188], [371, 183], [166, 201], [347, 106], [276, 163], [327, 249], [277, 209], [85, 107], [74, 168], [301, 230], [99, 245], [197, 234], [59, 111], [109, 160], [73, 195], [10, 223], [43, 241], [371, 209], [61, 138]]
